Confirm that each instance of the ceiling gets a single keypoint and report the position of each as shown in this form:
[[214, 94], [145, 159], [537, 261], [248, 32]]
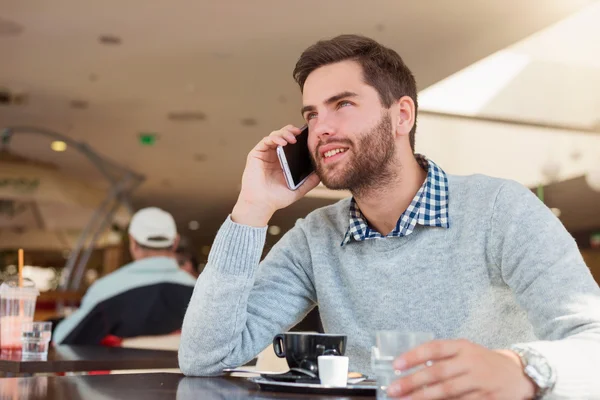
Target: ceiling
[[229, 61]]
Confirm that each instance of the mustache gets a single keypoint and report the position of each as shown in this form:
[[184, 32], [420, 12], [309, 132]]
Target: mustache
[[346, 142]]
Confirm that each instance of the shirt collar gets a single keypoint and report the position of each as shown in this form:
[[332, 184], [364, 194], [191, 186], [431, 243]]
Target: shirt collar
[[429, 207]]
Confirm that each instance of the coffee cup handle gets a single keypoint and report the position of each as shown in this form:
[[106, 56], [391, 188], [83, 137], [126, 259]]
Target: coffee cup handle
[[278, 346]]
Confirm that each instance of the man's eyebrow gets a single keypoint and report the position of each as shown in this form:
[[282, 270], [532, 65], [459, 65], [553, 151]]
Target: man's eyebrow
[[332, 99]]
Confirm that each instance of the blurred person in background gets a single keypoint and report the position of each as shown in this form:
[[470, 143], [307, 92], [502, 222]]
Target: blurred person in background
[[187, 259], [145, 297]]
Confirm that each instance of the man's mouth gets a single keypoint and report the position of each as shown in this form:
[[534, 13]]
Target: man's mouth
[[331, 153], [332, 156]]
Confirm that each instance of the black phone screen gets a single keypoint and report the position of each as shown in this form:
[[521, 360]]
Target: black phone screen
[[298, 157]]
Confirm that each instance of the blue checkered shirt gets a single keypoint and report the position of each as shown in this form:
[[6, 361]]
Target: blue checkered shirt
[[429, 207]]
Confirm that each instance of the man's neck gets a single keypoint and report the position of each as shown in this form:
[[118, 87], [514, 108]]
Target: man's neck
[[152, 254], [383, 206]]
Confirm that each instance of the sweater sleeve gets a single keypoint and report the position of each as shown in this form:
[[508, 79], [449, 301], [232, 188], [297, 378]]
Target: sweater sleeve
[[238, 306], [541, 263]]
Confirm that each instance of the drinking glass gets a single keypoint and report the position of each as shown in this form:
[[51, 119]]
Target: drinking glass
[[35, 337], [388, 346]]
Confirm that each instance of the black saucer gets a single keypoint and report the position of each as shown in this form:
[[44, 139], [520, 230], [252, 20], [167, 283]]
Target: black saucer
[[291, 376]]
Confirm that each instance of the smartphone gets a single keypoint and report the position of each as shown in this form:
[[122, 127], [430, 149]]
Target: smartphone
[[295, 160]]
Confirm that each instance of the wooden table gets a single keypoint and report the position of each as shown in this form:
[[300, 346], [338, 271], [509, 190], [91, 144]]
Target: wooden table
[[142, 387], [66, 358]]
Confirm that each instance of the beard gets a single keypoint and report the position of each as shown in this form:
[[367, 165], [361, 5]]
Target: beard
[[368, 164]]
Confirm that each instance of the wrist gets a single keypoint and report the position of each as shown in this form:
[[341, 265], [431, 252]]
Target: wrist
[[529, 388], [537, 368], [246, 213]]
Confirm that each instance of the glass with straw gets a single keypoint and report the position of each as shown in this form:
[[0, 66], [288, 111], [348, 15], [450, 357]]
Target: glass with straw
[[17, 306]]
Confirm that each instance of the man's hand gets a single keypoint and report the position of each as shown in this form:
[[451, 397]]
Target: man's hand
[[458, 369], [264, 190]]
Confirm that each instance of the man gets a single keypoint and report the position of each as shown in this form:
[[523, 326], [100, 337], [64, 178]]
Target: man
[[146, 297], [187, 260], [478, 261]]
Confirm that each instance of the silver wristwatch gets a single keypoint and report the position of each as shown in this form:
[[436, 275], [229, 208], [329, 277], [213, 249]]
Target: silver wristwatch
[[537, 368]]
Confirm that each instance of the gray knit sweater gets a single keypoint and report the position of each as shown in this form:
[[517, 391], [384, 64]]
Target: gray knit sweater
[[505, 272]]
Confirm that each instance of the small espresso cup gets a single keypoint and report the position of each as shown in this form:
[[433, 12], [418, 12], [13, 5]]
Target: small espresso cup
[[333, 370], [301, 350]]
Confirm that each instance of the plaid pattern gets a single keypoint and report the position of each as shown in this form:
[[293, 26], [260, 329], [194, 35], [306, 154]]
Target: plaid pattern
[[429, 207]]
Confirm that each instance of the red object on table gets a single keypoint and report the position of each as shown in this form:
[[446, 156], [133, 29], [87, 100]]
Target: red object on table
[[108, 341]]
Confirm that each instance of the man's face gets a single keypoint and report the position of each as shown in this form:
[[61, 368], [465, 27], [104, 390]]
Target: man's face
[[351, 137]]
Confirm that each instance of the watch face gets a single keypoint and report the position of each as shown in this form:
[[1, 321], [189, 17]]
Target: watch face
[[539, 371]]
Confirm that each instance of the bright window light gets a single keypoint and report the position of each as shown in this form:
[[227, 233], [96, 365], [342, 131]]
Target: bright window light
[[468, 91]]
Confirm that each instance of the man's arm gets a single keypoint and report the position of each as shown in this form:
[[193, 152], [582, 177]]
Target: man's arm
[[87, 324], [238, 305], [541, 263]]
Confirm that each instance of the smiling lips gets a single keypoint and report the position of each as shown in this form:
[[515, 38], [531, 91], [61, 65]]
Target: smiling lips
[[333, 152], [330, 152]]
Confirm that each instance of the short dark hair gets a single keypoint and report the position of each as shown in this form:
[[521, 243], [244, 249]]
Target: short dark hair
[[185, 254], [383, 68]]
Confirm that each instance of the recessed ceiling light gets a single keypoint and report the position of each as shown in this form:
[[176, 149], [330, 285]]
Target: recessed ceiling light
[[9, 28], [79, 104], [274, 230], [556, 211], [186, 116], [248, 122], [111, 40], [200, 157], [20, 98], [194, 225], [58, 145]]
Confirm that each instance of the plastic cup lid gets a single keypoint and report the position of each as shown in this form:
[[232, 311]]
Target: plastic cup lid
[[10, 289]]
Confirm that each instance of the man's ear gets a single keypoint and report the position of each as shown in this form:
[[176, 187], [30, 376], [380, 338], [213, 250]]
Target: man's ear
[[133, 246], [176, 242], [405, 114]]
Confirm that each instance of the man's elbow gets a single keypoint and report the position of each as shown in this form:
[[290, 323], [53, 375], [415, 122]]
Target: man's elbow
[[192, 364]]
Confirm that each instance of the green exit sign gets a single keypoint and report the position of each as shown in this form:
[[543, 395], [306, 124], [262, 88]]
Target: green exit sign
[[148, 138]]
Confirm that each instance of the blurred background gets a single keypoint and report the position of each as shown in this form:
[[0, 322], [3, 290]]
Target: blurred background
[[107, 107]]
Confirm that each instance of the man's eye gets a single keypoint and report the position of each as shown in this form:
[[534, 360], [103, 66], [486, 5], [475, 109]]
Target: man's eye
[[310, 116], [344, 104]]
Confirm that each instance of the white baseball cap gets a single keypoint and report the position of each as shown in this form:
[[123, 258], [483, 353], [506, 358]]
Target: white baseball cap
[[153, 227]]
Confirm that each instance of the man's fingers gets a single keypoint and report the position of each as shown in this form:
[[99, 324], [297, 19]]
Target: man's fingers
[[431, 351], [456, 387], [281, 137], [292, 128], [438, 372], [290, 137], [270, 143]]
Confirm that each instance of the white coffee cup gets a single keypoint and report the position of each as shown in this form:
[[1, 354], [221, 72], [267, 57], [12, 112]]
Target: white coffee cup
[[333, 370]]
